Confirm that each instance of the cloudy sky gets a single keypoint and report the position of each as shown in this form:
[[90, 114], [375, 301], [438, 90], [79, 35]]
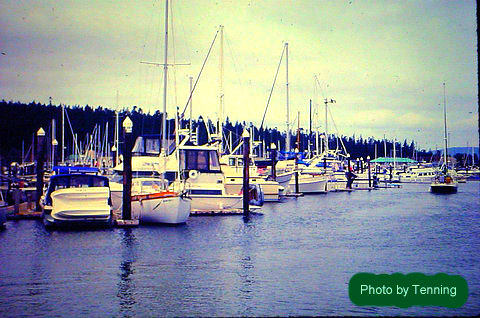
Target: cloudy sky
[[383, 62]]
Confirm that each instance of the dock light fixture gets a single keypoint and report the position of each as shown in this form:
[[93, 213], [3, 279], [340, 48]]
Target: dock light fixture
[[273, 146], [54, 142], [41, 132], [127, 125], [114, 148]]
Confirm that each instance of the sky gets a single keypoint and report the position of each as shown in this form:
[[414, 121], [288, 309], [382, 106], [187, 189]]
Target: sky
[[383, 62]]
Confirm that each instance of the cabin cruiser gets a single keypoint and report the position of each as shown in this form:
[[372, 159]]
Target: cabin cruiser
[[77, 199], [192, 171], [308, 182], [232, 167], [417, 174], [206, 182]]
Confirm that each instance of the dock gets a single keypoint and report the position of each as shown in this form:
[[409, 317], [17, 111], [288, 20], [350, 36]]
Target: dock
[[25, 211]]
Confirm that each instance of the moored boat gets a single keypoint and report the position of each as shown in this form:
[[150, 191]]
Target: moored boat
[[77, 199]]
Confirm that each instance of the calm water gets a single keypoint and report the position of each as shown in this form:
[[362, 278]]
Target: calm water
[[296, 259]]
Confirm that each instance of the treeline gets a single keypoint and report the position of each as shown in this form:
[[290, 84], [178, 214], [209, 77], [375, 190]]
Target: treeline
[[19, 122]]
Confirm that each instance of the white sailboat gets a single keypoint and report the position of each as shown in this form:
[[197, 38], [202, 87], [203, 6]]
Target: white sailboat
[[444, 182], [154, 202]]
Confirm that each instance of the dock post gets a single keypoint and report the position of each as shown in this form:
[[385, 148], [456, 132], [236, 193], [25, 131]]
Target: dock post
[[297, 187], [349, 173], [273, 149], [127, 170], [246, 172], [114, 155], [39, 168], [369, 174], [390, 168], [361, 165], [16, 197]]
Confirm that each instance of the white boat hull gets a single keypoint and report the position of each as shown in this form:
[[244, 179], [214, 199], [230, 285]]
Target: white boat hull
[[163, 210], [310, 184]]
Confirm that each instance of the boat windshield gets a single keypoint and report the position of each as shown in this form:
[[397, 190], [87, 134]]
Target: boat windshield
[[201, 160], [147, 146]]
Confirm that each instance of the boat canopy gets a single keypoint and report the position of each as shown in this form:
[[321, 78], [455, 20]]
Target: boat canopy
[[68, 170], [392, 160]]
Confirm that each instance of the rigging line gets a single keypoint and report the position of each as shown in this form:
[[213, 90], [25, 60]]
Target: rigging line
[[179, 13], [174, 56], [235, 66], [320, 86], [156, 100], [338, 133], [71, 129], [199, 74], [273, 86], [143, 80]]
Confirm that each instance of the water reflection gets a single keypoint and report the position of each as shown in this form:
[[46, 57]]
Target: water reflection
[[126, 285], [247, 268]]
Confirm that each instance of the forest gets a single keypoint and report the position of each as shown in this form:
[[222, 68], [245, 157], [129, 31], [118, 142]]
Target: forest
[[20, 121]]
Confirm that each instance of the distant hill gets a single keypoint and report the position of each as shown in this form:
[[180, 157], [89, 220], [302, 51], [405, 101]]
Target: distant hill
[[452, 151]]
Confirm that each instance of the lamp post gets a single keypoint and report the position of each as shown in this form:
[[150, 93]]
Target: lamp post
[[127, 169], [54, 144], [114, 155], [297, 187], [246, 170], [273, 149], [39, 167], [369, 174]]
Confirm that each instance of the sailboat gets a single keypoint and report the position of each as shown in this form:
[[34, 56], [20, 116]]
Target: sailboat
[[152, 200], [445, 181]]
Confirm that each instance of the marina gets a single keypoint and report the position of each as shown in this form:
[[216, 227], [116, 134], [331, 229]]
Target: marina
[[242, 159], [290, 260]]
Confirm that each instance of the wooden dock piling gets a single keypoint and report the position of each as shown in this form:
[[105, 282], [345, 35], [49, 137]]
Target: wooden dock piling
[[246, 174]]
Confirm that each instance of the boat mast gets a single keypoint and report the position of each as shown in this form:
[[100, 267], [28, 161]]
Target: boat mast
[[385, 146], [63, 134], [445, 128], [287, 141], [394, 154], [191, 92], [222, 94], [165, 69]]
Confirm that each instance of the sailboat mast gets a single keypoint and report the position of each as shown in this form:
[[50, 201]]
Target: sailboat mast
[[326, 125], [165, 69], [191, 92], [385, 146], [220, 121], [287, 141], [63, 134], [445, 127]]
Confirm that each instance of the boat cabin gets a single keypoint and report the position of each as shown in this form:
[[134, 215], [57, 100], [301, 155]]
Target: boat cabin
[[58, 182]]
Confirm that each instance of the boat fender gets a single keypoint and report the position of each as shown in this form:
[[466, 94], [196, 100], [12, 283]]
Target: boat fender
[[193, 174]]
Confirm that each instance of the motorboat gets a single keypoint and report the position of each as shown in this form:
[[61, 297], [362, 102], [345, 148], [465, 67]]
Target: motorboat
[[232, 167], [418, 174], [77, 199]]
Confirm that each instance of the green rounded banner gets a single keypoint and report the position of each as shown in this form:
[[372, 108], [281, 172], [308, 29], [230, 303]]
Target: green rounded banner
[[415, 289]]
